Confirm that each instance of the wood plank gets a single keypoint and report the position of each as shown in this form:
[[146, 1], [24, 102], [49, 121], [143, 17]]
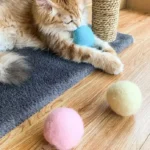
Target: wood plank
[[146, 143], [104, 130]]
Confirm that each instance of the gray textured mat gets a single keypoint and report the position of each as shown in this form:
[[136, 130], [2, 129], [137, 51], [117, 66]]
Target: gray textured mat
[[50, 77]]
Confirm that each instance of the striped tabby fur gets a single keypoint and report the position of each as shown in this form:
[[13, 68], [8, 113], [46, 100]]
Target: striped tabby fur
[[47, 24]]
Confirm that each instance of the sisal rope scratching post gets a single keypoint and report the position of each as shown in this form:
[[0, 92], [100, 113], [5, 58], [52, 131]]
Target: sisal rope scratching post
[[105, 18]]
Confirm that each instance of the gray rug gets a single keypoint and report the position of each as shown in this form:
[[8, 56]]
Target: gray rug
[[50, 77]]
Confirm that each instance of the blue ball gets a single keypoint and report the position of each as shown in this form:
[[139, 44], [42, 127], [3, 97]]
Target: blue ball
[[84, 36]]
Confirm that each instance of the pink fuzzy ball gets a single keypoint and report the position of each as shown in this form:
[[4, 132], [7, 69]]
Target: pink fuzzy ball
[[64, 128]]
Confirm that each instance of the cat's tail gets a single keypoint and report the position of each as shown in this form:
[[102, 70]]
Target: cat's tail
[[13, 68]]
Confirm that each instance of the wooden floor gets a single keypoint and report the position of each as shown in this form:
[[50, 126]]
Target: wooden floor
[[104, 130]]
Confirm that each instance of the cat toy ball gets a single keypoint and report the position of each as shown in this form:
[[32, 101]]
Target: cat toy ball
[[84, 36], [64, 128], [124, 98]]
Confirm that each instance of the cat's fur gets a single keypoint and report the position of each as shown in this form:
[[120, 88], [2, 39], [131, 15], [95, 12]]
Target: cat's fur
[[47, 24]]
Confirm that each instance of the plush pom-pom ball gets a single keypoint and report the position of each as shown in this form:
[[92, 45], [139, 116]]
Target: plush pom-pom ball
[[64, 128], [84, 36], [124, 98]]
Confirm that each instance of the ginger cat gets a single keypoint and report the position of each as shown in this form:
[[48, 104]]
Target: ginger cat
[[47, 24]]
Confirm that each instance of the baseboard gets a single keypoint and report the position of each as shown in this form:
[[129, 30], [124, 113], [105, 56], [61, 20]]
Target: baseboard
[[139, 5], [123, 4]]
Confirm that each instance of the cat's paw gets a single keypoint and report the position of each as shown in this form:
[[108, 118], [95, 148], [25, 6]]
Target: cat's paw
[[7, 39], [108, 63], [13, 69], [4, 46], [110, 50], [107, 49], [113, 65], [98, 48]]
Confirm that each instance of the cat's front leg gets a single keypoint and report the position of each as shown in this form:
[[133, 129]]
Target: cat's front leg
[[104, 46], [102, 60]]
